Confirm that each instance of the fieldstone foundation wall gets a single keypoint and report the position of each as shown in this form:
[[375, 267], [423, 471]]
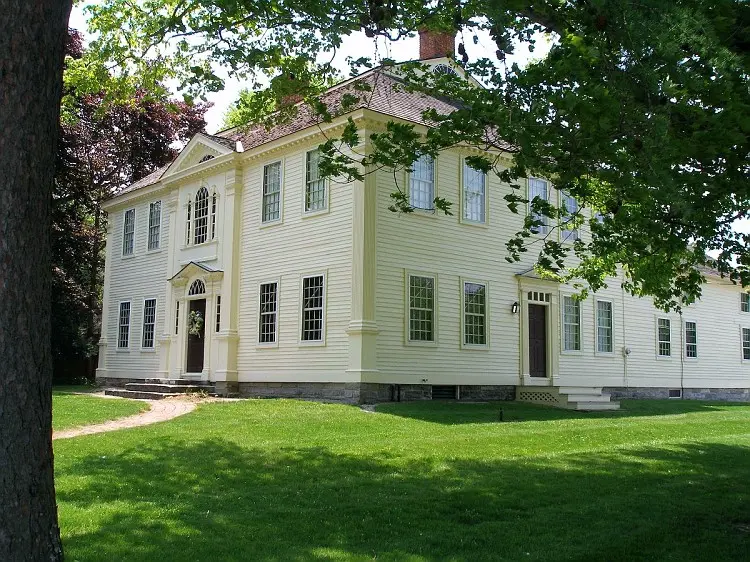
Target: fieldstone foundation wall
[[226, 388], [116, 381], [329, 391], [721, 394], [487, 392]]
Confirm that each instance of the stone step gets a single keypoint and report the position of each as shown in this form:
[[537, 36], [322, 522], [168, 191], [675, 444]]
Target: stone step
[[593, 406], [168, 388], [604, 397], [177, 382], [586, 390], [139, 395]]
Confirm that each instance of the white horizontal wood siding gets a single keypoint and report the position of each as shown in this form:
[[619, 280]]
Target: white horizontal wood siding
[[297, 245], [135, 278]]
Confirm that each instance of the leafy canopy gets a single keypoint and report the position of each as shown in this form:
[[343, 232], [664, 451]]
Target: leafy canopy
[[640, 110]]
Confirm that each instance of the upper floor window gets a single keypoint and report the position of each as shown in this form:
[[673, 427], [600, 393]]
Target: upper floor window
[[200, 233], [474, 194], [188, 221], [664, 337], [128, 232], [475, 314], [422, 183], [272, 192], [313, 308], [123, 326], [691, 340], [604, 321], [149, 323], [213, 215], [571, 208], [206, 158], [571, 324], [315, 185], [154, 225], [421, 313], [745, 302], [539, 188]]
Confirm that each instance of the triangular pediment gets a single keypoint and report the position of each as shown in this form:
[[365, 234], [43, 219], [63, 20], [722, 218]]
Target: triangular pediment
[[201, 148], [193, 269]]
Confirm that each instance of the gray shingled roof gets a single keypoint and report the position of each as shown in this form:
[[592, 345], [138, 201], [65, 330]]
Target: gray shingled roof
[[387, 96]]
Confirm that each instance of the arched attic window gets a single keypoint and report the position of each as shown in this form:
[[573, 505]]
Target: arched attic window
[[197, 288], [206, 158], [201, 216]]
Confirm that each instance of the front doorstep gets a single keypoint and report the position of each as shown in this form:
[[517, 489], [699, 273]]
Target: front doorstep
[[528, 380]]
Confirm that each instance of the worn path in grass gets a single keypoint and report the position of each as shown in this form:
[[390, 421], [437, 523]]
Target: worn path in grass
[[159, 411]]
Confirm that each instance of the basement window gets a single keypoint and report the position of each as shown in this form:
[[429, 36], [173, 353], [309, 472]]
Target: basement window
[[444, 392], [675, 393]]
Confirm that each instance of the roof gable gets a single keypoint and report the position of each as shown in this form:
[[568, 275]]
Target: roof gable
[[200, 149]]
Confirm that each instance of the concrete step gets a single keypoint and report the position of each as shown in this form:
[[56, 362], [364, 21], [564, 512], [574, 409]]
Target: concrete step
[[169, 388], [593, 406], [604, 397], [587, 390], [139, 395]]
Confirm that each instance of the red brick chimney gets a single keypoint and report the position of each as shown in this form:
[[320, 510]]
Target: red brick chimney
[[434, 44]]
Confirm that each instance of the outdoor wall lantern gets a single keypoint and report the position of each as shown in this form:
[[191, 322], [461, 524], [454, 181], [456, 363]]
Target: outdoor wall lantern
[[514, 308]]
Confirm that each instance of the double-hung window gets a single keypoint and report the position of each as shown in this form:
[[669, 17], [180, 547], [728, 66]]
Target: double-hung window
[[149, 323], [539, 188], [571, 324], [218, 313], [422, 183], [604, 322], [128, 232], [475, 313], [474, 194], [571, 208], [664, 337], [177, 317], [154, 225], [315, 185], [745, 302], [214, 199], [271, 192], [691, 340], [267, 323], [313, 308], [746, 344], [421, 315], [123, 326]]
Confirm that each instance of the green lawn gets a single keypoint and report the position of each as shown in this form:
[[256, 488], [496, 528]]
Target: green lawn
[[73, 410], [290, 481]]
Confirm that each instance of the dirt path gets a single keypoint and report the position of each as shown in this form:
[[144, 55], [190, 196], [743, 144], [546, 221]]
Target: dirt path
[[160, 410]]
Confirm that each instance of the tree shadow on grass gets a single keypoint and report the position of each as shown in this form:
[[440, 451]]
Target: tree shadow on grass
[[451, 413], [214, 500]]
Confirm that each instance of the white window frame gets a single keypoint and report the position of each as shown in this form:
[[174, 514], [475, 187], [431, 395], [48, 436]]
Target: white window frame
[[566, 235], [308, 182], [408, 274], [275, 342], [410, 177], [463, 282], [611, 327], [563, 347], [131, 233], [743, 295], [464, 207], [312, 343], [742, 343], [189, 221], [685, 322], [177, 317], [263, 194], [217, 313], [205, 217], [213, 215], [143, 323], [152, 226], [119, 324], [658, 340], [543, 230]]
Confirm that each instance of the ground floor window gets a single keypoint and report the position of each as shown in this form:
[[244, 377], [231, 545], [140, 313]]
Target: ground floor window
[[268, 311], [571, 324], [177, 318], [421, 308], [149, 323], [664, 337], [312, 308], [123, 326], [746, 343], [475, 313], [604, 343], [691, 339]]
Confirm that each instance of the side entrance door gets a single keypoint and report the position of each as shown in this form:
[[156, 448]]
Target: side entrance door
[[195, 343], [537, 340]]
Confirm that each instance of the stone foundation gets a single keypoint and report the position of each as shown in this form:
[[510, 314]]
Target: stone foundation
[[487, 392], [347, 393], [719, 394], [226, 388], [117, 382]]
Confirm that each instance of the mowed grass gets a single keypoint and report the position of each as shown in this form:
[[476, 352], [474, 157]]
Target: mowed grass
[[289, 481], [74, 410]]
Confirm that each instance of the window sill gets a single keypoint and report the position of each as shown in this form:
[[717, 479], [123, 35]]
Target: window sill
[[574, 352], [426, 213], [316, 213], [269, 224], [663, 357], [205, 244], [604, 353], [421, 343], [122, 350], [154, 251], [477, 224], [274, 345], [303, 344], [148, 350], [128, 257], [475, 347]]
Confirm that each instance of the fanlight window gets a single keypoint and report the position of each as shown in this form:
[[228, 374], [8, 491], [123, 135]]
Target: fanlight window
[[206, 158], [201, 216], [197, 288], [444, 69]]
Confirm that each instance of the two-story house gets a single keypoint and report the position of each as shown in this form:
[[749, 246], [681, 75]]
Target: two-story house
[[240, 265]]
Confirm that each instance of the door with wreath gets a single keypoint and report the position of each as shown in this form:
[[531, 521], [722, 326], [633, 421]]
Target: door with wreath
[[196, 331]]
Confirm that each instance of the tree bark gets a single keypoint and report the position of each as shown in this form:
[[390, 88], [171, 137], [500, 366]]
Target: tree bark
[[31, 64]]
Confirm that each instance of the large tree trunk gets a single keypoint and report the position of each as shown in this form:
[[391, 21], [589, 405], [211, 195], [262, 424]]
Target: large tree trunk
[[31, 63]]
